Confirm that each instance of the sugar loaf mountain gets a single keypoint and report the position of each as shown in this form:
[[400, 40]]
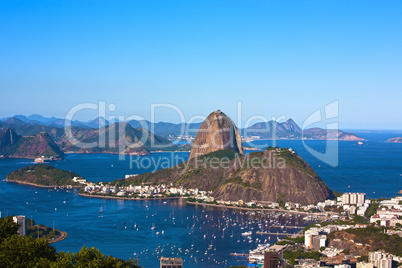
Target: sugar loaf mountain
[[217, 163]]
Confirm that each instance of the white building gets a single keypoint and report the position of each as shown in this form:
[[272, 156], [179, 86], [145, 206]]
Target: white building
[[353, 198], [364, 265], [121, 193], [352, 210], [20, 220], [380, 259], [308, 237]]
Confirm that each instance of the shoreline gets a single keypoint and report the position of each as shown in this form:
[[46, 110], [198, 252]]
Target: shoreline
[[178, 197], [60, 238], [260, 209], [41, 186], [128, 198]]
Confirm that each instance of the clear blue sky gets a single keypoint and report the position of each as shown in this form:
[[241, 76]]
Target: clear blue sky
[[276, 57]]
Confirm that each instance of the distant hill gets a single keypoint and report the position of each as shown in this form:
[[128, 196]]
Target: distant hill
[[166, 129], [395, 140], [330, 134], [97, 123], [13, 145], [14, 121], [43, 175], [290, 130], [119, 138], [237, 178]]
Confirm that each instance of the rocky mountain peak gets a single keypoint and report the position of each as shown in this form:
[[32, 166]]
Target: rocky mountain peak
[[217, 132]]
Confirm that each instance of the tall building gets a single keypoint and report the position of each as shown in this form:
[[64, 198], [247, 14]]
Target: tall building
[[353, 198], [346, 198], [171, 263], [271, 259], [20, 220], [361, 198], [380, 259], [308, 237], [319, 241]]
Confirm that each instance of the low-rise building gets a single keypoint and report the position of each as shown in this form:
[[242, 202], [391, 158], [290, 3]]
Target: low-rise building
[[171, 262], [364, 265]]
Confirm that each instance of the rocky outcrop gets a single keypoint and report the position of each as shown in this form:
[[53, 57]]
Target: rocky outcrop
[[217, 132], [8, 138], [279, 175]]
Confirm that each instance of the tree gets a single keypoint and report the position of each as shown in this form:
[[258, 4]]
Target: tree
[[17, 251], [92, 257], [7, 228]]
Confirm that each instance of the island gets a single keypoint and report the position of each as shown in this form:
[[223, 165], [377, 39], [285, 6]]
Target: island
[[394, 140], [43, 175]]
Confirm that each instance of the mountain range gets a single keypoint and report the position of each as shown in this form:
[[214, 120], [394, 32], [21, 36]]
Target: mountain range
[[260, 130]]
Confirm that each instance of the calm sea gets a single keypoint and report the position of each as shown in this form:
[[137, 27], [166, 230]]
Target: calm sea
[[203, 237]]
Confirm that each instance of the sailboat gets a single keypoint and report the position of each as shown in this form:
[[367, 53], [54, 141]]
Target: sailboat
[[101, 209]]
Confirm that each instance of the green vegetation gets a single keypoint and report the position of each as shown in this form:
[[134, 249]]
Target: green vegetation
[[372, 209], [237, 181], [295, 161], [337, 194], [355, 220], [226, 153], [299, 239], [43, 175], [300, 254], [17, 251], [284, 242], [376, 238], [44, 232]]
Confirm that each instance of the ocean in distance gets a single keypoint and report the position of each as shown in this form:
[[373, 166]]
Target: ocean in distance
[[374, 168]]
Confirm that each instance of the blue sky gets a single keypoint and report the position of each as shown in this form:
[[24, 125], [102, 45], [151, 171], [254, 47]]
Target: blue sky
[[276, 57]]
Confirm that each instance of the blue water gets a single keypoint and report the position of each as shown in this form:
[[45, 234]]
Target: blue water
[[374, 167]]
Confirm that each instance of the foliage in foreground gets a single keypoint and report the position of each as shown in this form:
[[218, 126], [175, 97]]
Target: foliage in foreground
[[17, 251]]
